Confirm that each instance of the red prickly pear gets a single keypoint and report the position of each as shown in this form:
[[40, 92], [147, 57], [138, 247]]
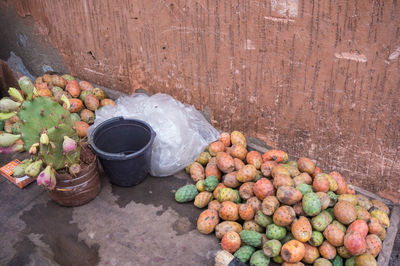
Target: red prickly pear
[[69, 145], [47, 178]]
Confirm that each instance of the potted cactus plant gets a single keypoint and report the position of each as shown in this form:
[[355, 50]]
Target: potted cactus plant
[[62, 161]]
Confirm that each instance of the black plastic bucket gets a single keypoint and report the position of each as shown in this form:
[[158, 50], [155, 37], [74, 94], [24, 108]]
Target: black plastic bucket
[[124, 149]]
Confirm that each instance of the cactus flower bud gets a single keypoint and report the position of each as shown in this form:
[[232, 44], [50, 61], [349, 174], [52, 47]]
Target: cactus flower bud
[[69, 145], [44, 139], [34, 168], [35, 92], [15, 94], [27, 86], [47, 178], [74, 169], [33, 148]]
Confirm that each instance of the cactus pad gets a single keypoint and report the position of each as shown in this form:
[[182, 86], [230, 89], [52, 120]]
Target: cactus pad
[[37, 115], [43, 114]]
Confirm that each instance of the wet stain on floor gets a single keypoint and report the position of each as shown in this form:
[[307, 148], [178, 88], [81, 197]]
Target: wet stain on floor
[[52, 223], [158, 191]]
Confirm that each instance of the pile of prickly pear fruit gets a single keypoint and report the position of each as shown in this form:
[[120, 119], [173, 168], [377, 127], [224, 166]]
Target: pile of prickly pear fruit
[[266, 208], [33, 119], [80, 98]]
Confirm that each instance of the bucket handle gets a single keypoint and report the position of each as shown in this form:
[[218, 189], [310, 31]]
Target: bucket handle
[[123, 156]]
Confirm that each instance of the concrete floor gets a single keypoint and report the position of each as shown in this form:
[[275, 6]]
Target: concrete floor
[[140, 225]]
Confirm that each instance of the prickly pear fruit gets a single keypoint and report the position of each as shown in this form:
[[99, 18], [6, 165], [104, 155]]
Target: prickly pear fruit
[[202, 199], [69, 145], [244, 253], [87, 116], [15, 94], [8, 105], [262, 219], [84, 94], [47, 178], [75, 117], [258, 259], [33, 169], [44, 139], [16, 147], [6, 139], [67, 77], [210, 183], [251, 238], [5, 116], [227, 194], [186, 193], [27, 86], [200, 185], [272, 248], [19, 170], [99, 93], [74, 169]]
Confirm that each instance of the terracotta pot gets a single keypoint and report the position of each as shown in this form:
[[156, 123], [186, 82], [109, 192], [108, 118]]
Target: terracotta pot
[[75, 191]]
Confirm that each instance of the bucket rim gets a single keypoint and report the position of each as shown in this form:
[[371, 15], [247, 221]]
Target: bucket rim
[[120, 156]]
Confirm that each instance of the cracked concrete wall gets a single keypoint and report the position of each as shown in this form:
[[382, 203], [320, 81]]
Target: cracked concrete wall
[[316, 78]]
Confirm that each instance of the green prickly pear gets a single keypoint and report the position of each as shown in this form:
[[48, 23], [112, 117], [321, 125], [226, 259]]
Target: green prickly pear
[[186, 193], [7, 139], [27, 86], [5, 116], [67, 77], [75, 117], [47, 178], [15, 94], [8, 105], [19, 170], [244, 253], [33, 169], [259, 259], [210, 183]]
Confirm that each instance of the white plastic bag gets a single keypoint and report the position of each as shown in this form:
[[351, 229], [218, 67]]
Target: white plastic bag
[[182, 131]]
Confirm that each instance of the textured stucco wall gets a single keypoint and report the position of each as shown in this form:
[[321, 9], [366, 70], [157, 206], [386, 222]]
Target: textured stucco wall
[[316, 78]]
